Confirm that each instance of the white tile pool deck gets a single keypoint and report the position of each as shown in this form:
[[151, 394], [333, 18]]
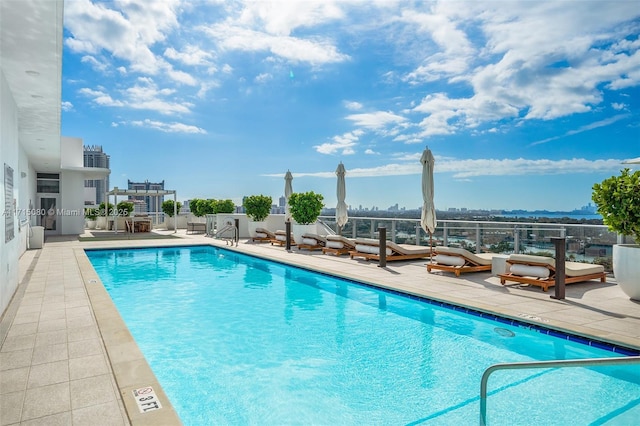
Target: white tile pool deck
[[67, 357]]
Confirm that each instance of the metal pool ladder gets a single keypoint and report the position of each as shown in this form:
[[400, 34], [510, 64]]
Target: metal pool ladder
[[590, 362]]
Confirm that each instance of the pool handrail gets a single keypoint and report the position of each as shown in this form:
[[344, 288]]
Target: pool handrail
[[588, 362]]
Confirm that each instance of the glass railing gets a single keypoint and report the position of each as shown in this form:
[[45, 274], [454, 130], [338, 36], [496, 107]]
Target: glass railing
[[584, 243]]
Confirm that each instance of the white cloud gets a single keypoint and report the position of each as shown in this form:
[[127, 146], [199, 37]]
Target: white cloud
[[342, 143], [66, 106], [352, 105], [144, 95], [190, 55], [585, 128], [375, 120], [618, 106], [540, 60], [167, 127], [464, 169]]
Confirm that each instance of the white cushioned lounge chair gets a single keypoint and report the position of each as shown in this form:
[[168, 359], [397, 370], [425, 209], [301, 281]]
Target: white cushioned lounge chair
[[312, 242], [541, 271], [280, 238], [263, 235], [370, 249], [338, 245], [459, 260]]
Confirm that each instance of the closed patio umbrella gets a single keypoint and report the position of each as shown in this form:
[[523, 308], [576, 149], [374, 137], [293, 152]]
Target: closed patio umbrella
[[341, 209], [428, 218], [288, 190]]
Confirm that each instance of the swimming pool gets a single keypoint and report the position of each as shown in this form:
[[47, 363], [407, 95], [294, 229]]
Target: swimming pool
[[238, 340]]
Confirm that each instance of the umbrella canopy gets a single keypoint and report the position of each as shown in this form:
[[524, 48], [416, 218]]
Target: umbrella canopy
[[428, 218], [341, 209], [288, 190]]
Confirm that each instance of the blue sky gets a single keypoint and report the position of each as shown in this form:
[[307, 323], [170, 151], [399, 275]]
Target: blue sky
[[525, 105]]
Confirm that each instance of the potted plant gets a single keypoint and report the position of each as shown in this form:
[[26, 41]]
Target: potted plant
[[618, 202], [257, 208], [124, 208], [305, 208], [168, 210], [90, 214], [101, 220]]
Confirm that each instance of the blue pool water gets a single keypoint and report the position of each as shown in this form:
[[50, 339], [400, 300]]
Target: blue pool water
[[238, 340]]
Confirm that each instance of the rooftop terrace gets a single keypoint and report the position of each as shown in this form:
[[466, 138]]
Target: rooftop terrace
[[67, 357]]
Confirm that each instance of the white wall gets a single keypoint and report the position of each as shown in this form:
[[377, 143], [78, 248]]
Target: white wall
[[71, 152], [9, 154], [72, 202]]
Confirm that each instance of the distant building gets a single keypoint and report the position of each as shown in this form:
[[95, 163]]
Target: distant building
[[146, 203], [95, 157]]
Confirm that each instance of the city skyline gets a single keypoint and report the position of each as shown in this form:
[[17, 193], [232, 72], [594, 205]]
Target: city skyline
[[525, 105]]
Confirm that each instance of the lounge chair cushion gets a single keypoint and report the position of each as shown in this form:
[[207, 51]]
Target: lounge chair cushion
[[335, 244], [365, 248], [530, 258], [261, 235], [577, 269], [572, 269], [309, 241], [530, 270], [346, 242], [479, 258], [445, 259]]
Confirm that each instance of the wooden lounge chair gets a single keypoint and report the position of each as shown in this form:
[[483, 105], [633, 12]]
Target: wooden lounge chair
[[338, 245], [312, 242], [263, 235], [280, 238], [459, 260], [370, 250], [541, 271]]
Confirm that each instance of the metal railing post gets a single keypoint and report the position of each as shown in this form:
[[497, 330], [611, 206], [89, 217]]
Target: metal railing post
[[516, 240], [560, 246], [382, 247], [478, 247]]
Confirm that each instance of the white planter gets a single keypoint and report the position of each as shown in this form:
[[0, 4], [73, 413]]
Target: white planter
[[101, 222], [252, 225], [91, 224], [170, 223], [299, 230], [626, 268]]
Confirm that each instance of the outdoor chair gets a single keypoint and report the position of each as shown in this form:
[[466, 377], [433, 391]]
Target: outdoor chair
[[312, 242], [541, 271], [338, 245], [370, 249], [459, 260]]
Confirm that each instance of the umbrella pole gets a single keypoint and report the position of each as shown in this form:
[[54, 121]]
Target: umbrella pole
[[430, 246]]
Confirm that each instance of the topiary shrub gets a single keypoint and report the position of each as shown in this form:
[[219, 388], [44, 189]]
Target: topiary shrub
[[167, 207], [618, 201], [305, 207], [257, 207]]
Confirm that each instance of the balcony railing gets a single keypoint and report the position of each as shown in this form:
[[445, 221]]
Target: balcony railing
[[584, 243]]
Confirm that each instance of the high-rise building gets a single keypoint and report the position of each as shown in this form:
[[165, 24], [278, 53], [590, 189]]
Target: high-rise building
[[146, 203], [95, 157]]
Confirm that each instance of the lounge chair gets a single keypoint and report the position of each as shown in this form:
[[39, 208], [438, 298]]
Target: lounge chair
[[459, 260], [263, 235], [338, 245], [541, 271], [312, 242], [370, 250], [280, 238]]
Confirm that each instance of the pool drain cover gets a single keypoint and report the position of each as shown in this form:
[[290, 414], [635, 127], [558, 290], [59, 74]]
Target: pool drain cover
[[504, 332]]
